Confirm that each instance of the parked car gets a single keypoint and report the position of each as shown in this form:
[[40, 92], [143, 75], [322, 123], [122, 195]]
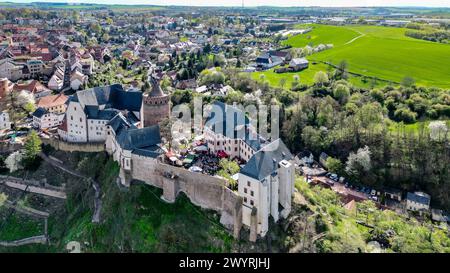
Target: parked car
[[373, 192]]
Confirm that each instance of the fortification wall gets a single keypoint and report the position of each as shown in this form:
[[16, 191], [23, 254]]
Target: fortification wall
[[205, 191], [74, 147], [6, 147]]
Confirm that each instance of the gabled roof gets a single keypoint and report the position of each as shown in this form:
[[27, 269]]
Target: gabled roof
[[39, 112], [232, 122], [418, 198], [140, 141], [265, 162], [52, 101], [112, 96]]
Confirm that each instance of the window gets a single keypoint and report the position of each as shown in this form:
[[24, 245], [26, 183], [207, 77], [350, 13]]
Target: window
[[252, 193], [245, 199], [248, 183], [251, 202], [245, 190]]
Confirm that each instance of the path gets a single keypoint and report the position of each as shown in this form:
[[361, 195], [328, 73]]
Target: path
[[29, 186], [27, 210], [95, 185], [40, 239], [356, 38]]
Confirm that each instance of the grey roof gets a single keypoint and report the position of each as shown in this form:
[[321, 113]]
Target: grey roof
[[156, 88], [425, 200], [298, 61], [39, 112], [141, 141], [119, 123], [265, 162], [232, 122], [112, 96]]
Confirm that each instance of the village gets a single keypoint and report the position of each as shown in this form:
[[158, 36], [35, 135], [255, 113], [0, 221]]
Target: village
[[106, 82]]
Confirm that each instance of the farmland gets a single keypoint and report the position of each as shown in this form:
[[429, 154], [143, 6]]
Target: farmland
[[382, 52]]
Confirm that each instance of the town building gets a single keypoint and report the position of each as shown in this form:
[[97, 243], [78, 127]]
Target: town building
[[50, 111], [298, 64], [5, 124]]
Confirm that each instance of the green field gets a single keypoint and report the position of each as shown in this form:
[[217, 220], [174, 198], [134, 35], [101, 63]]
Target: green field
[[306, 77], [383, 52]]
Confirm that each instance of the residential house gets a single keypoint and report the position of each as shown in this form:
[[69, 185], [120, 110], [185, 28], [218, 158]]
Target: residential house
[[56, 82], [418, 201], [33, 87], [77, 79], [298, 64], [50, 111], [266, 61]]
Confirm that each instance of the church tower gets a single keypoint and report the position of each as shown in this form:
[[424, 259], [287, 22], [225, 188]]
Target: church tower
[[156, 103]]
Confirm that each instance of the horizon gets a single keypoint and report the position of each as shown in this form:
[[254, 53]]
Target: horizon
[[258, 3]]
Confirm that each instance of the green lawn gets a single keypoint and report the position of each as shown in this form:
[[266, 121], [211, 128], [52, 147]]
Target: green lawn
[[384, 52]]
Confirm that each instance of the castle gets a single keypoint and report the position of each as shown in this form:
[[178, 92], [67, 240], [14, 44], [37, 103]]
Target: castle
[[89, 111]]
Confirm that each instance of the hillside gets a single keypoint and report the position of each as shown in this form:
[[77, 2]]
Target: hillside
[[383, 52]]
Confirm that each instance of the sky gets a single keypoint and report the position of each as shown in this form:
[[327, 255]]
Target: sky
[[286, 3]]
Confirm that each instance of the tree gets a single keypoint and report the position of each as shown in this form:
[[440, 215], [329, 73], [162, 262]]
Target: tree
[[342, 70], [408, 81], [238, 63], [13, 161], [3, 198], [227, 169], [321, 78], [438, 130], [341, 93], [405, 115], [125, 63], [334, 165], [282, 82], [359, 163], [32, 149]]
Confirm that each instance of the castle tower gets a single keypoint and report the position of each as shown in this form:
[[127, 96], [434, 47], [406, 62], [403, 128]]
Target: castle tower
[[156, 103]]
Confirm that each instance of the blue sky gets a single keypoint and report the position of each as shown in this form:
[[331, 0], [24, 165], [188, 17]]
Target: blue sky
[[325, 3]]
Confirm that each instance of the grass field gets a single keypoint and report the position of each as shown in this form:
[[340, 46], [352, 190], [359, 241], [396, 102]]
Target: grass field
[[306, 77], [383, 52]]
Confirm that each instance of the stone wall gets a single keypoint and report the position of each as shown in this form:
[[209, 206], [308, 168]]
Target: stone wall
[[205, 191], [74, 147], [6, 148]]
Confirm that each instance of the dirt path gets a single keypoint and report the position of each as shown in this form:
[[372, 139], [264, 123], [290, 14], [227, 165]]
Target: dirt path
[[356, 38]]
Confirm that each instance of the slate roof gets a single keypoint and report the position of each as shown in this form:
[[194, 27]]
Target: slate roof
[[39, 112], [142, 141], [239, 127], [265, 162], [418, 198], [112, 96]]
